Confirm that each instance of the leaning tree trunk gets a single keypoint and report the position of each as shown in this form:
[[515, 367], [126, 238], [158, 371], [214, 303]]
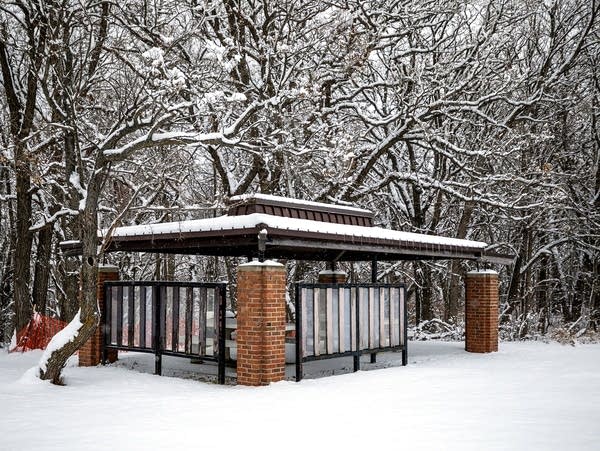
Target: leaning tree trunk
[[89, 311]]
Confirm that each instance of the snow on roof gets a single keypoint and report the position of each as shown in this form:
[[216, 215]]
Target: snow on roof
[[299, 202], [482, 271], [194, 225], [265, 263], [253, 220]]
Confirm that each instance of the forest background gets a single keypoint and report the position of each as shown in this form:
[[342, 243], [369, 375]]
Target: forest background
[[473, 119]]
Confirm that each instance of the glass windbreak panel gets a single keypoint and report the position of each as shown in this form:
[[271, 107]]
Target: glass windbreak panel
[[149, 317], [203, 313], [302, 299], [182, 322], [395, 323], [196, 322], [216, 324], [126, 319], [322, 321], [169, 318], [402, 316], [211, 317], [375, 318], [136, 316], [386, 317], [114, 300], [335, 320], [189, 296], [309, 318], [347, 320], [354, 319], [364, 317], [341, 320]]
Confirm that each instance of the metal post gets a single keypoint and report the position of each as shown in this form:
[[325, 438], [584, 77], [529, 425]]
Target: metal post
[[298, 308], [373, 280], [262, 245], [222, 331], [119, 315], [104, 322], [374, 271], [357, 353], [156, 317], [405, 347]]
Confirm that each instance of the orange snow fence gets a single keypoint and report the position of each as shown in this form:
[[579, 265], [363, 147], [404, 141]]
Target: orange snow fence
[[37, 333]]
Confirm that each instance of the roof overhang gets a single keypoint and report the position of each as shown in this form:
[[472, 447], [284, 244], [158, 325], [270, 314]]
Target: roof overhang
[[289, 238]]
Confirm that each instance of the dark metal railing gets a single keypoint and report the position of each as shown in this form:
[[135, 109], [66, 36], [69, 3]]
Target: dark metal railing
[[336, 320], [182, 319]]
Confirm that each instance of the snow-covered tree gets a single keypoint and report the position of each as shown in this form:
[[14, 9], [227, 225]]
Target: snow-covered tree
[[474, 119]]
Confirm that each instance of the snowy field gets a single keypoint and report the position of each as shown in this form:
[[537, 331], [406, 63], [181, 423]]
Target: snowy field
[[528, 396]]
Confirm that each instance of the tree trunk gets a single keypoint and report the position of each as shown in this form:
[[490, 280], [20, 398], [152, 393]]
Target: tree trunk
[[423, 293], [457, 271], [595, 301], [542, 296], [427, 290], [68, 269], [231, 263], [514, 298], [418, 302], [89, 312], [24, 241], [5, 290], [22, 108], [68, 296], [42, 269], [454, 291], [6, 258], [541, 289]]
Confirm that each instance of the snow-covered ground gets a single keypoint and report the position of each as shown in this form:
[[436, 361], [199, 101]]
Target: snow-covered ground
[[528, 396]]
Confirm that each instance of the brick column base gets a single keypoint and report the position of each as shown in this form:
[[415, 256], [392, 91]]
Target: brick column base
[[328, 276], [481, 311], [90, 353], [261, 323]]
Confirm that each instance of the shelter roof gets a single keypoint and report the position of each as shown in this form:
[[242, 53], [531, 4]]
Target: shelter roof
[[291, 229]]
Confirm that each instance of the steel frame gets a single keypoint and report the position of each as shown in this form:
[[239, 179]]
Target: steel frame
[[159, 327]]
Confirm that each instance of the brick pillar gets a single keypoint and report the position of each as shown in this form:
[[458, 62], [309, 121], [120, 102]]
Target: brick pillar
[[481, 311], [90, 353], [328, 276], [261, 323]]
